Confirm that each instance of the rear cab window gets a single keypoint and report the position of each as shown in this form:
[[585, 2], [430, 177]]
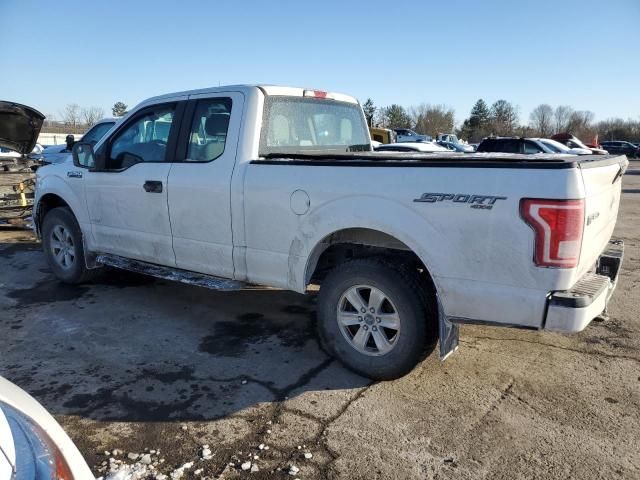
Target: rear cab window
[[310, 125]]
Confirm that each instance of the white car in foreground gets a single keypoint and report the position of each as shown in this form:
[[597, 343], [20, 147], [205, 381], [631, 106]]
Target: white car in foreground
[[33, 446]]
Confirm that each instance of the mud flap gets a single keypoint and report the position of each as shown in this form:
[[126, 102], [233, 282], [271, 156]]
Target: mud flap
[[449, 334]]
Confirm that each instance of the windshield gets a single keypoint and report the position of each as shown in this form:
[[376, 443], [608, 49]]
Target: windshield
[[555, 146], [97, 132], [310, 125], [578, 143]]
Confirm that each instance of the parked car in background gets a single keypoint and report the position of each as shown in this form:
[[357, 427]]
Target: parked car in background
[[572, 141], [382, 135], [558, 147], [411, 147], [406, 135], [6, 153], [456, 147], [512, 145], [32, 444], [60, 153], [451, 142], [621, 148]]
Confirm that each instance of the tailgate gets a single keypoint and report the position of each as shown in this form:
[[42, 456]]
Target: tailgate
[[602, 185]]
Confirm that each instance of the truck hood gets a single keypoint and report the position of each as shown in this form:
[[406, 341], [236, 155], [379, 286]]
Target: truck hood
[[19, 127]]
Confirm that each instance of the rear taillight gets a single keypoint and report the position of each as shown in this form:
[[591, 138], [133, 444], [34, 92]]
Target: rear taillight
[[558, 226]]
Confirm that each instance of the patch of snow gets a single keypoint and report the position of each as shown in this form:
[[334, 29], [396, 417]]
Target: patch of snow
[[206, 454]]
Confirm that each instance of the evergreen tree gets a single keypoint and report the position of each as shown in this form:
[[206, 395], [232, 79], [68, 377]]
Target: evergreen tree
[[477, 126], [119, 109], [395, 116], [369, 111], [479, 118]]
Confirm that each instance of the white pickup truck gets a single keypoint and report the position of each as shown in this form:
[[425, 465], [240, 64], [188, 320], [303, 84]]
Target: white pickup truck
[[238, 185]]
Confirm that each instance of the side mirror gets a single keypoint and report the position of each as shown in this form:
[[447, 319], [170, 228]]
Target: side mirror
[[83, 155]]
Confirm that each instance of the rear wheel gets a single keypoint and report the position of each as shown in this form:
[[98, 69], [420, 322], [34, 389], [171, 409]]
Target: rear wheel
[[373, 317], [63, 248]]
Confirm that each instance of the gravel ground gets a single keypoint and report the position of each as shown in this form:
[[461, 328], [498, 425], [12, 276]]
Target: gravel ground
[[133, 364]]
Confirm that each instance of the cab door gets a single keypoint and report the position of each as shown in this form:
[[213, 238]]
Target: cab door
[[199, 186], [127, 196]]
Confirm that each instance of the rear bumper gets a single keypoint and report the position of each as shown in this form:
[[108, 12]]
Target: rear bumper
[[572, 310]]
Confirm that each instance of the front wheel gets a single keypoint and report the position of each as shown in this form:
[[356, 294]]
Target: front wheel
[[63, 248], [373, 318]]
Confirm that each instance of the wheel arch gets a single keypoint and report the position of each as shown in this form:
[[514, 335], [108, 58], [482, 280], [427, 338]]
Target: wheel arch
[[46, 203], [361, 242], [53, 192]]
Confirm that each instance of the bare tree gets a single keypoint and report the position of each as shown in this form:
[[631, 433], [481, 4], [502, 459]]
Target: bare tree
[[581, 124], [619, 129], [432, 119], [91, 115], [71, 114], [561, 116], [503, 117], [541, 120]]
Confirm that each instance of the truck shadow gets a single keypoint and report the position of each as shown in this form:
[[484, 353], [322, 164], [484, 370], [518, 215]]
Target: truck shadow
[[134, 349]]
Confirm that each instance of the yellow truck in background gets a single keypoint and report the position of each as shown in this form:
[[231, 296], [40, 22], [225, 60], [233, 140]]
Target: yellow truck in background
[[382, 135]]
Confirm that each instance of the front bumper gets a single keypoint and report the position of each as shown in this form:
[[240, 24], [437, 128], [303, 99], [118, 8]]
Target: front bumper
[[572, 310]]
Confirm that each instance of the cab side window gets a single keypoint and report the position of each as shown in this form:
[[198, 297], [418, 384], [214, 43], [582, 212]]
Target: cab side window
[[530, 147], [143, 140], [510, 146], [209, 129]]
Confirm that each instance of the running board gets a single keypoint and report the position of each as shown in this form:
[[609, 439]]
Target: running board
[[169, 273]]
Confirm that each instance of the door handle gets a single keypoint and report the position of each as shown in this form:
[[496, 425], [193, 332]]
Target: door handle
[[152, 186]]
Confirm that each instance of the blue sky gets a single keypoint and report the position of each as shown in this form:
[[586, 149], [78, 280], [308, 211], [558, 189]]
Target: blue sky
[[581, 53]]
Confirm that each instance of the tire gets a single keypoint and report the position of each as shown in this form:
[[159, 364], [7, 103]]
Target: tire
[[63, 246], [366, 343]]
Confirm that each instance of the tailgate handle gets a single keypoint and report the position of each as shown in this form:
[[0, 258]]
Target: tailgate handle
[[152, 186], [618, 175]]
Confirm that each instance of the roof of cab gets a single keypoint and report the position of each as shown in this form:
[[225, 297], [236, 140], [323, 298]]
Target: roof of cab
[[266, 89]]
